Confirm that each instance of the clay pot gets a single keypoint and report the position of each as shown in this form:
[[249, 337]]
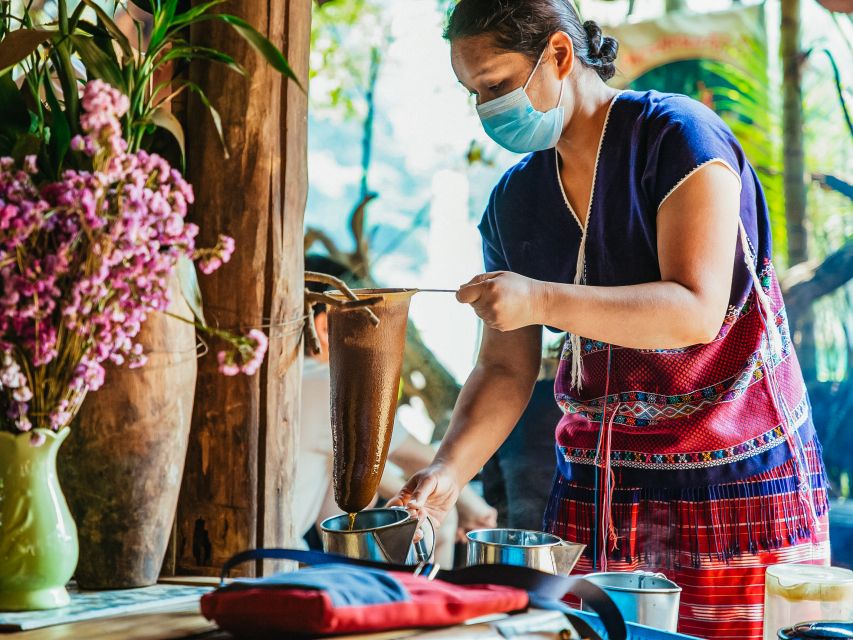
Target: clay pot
[[366, 362], [124, 459]]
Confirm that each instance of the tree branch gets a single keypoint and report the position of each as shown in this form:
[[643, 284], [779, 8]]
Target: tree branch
[[804, 283], [313, 235]]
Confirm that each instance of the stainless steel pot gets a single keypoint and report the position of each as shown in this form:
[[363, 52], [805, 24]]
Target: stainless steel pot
[[642, 597], [535, 549], [384, 535]]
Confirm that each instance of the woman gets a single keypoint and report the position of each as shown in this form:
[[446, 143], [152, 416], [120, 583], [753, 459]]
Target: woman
[[636, 225]]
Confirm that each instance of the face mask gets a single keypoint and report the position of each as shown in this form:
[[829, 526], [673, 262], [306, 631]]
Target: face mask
[[513, 123]]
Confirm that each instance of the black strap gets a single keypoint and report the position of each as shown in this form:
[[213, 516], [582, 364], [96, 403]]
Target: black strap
[[544, 586]]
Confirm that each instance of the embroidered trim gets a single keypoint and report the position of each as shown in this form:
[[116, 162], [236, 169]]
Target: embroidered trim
[[580, 268], [732, 317], [694, 170], [696, 459], [565, 197], [641, 409]]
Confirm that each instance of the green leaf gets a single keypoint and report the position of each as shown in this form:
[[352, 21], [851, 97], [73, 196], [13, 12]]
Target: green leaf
[[205, 53], [101, 37], [191, 15], [214, 114], [188, 279], [98, 63], [13, 110], [164, 119], [263, 46], [75, 17], [25, 145], [164, 13], [112, 27], [60, 131], [19, 44]]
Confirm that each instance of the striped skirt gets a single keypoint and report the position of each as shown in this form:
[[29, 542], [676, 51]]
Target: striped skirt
[[714, 542]]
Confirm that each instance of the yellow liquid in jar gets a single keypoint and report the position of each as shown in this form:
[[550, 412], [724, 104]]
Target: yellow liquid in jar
[[351, 521]]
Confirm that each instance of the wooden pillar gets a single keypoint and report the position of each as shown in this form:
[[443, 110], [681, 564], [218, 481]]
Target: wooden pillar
[[237, 487]]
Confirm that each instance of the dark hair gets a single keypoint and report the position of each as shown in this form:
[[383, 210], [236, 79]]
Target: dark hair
[[524, 26]]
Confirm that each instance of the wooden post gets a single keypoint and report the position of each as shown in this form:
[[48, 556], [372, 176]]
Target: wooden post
[[237, 488], [794, 172]]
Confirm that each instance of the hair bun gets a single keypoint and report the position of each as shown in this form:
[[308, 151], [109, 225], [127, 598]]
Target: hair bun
[[593, 34], [602, 49]]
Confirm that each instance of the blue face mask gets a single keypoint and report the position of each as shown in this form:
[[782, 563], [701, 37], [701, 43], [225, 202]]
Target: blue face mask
[[513, 123]]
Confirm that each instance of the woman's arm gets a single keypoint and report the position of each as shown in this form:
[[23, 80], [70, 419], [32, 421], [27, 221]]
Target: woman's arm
[[489, 405], [697, 234]]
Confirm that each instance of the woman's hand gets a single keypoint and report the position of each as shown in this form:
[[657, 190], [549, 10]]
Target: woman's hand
[[431, 492], [504, 300]]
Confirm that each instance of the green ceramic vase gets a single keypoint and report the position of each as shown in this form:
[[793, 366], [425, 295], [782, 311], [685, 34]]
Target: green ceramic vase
[[38, 538]]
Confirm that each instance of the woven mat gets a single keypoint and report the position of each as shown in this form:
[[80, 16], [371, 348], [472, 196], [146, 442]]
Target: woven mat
[[88, 605]]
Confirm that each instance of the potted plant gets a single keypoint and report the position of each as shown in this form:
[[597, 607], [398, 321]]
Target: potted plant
[[95, 249]]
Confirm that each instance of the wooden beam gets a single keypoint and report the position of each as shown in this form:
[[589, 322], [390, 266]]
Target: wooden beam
[[237, 490]]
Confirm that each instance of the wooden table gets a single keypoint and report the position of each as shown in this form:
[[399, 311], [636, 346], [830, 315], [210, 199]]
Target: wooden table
[[186, 623]]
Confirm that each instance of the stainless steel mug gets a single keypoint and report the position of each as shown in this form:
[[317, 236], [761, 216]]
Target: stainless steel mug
[[642, 597], [384, 535], [535, 549], [824, 630]]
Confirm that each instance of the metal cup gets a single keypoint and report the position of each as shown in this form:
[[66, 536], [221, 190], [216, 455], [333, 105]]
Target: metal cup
[[535, 549], [383, 535], [642, 597]]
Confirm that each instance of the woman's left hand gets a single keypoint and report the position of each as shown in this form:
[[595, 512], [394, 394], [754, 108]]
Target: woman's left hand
[[504, 300]]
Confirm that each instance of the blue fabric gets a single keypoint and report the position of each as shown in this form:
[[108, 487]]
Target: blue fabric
[[652, 142], [346, 585], [635, 631]]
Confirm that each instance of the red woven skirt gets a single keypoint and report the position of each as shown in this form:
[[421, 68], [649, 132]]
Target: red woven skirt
[[715, 542]]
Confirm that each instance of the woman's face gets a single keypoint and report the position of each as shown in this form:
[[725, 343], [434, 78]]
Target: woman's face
[[488, 72]]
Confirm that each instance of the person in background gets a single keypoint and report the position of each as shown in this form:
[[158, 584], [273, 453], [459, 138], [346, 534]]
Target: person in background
[[472, 512], [314, 493], [515, 480]]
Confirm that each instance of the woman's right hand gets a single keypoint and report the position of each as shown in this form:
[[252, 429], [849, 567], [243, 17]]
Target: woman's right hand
[[430, 492]]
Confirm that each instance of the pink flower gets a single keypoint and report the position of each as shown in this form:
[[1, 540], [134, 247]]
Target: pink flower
[[227, 366], [209, 260], [88, 257], [61, 417], [246, 355]]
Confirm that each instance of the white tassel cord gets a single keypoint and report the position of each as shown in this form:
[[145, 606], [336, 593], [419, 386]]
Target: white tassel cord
[[774, 340]]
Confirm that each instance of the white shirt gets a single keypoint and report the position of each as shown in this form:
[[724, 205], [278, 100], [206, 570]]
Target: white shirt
[[313, 482]]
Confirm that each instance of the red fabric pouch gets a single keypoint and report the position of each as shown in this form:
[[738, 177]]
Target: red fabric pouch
[[269, 609], [340, 595]]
